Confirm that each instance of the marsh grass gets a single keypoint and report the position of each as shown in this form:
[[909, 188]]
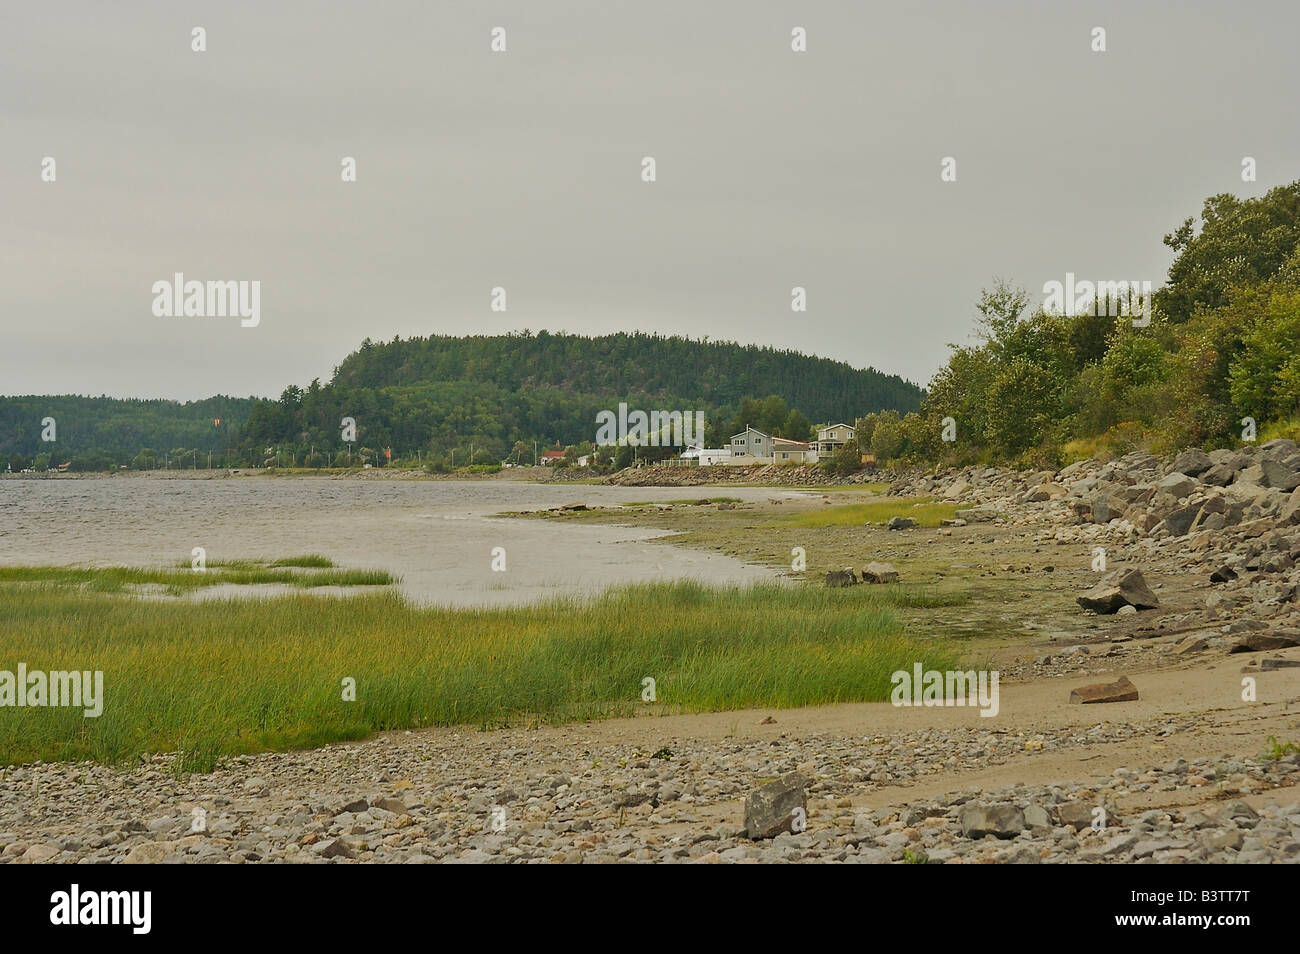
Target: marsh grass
[[925, 511], [245, 675], [178, 580], [684, 502]]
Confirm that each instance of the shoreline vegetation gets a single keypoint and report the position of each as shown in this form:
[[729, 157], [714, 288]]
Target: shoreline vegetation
[[248, 674], [176, 581]]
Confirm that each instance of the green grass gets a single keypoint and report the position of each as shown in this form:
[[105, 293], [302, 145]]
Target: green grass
[[245, 675], [925, 511], [845, 488], [178, 580], [311, 560], [307, 560], [1278, 750], [701, 501]]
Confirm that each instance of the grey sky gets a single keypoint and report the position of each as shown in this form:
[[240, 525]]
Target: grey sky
[[522, 170]]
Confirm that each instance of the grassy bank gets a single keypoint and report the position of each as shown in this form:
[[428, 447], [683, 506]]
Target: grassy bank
[[248, 674], [177, 580]]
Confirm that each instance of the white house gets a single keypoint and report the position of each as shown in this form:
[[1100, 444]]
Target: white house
[[707, 456]]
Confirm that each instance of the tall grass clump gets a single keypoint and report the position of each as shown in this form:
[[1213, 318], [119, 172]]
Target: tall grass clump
[[243, 675]]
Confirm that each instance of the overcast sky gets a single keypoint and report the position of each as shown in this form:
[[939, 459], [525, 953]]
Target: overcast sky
[[523, 170]]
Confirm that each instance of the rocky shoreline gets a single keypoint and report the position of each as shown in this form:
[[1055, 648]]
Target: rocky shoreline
[[1232, 517], [1188, 774], [516, 796]]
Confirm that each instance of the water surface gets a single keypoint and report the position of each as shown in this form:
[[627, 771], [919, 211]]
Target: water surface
[[437, 535]]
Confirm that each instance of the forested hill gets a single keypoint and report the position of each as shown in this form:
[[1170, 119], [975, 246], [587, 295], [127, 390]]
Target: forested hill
[[717, 374], [437, 397], [101, 431]]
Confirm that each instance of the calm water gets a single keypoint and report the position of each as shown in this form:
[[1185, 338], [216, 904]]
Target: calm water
[[438, 535]]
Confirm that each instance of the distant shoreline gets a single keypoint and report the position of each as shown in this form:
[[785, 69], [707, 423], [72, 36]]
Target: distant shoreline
[[531, 474]]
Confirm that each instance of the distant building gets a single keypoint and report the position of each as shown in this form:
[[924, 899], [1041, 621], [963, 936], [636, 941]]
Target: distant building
[[751, 442], [786, 451], [831, 438], [552, 456], [707, 456]]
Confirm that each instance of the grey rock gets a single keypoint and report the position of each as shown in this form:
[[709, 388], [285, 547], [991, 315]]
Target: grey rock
[[771, 809], [1176, 485], [1192, 462], [1279, 475], [879, 573], [1119, 588], [1003, 821]]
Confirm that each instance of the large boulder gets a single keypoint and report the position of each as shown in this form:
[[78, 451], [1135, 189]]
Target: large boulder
[[772, 809], [1119, 691], [1264, 642], [1179, 521], [879, 573], [1290, 510], [1192, 462], [1280, 475], [1119, 588], [1045, 492], [1176, 484], [1220, 475], [1002, 821], [1081, 814], [1107, 506]]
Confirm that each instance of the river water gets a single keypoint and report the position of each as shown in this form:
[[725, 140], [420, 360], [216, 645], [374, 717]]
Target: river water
[[437, 535]]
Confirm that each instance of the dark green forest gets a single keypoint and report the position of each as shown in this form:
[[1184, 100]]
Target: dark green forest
[[438, 399], [97, 433]]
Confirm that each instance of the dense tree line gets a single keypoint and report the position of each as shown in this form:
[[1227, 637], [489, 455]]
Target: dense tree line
[[1217, 364], [455, 401], [96, 433]]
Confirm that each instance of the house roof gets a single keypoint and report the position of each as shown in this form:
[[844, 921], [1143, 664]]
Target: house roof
[[785, 441], [827, 427], [754, 429]]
